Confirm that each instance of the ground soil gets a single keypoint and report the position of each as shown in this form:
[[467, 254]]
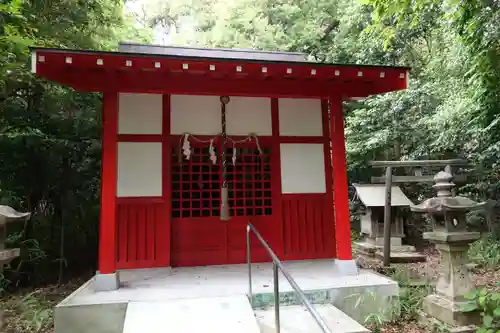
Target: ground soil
[[30, 311], [428, 270]]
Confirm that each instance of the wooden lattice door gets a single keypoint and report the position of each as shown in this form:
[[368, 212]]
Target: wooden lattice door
[[199, 237]]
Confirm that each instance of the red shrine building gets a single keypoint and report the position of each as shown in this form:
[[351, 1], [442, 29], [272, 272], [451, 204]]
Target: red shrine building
[[192, 134]]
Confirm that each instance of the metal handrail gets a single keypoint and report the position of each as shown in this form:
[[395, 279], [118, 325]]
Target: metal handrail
[[278, 265]]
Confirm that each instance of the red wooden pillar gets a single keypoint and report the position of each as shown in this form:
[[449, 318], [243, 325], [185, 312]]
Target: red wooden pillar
[[165, 227], [340, 188], [276, 176], [107, 234]]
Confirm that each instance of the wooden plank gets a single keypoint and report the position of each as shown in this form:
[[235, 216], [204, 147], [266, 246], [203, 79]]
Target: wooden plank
[[415, 179], [387, 217], [417, 163]]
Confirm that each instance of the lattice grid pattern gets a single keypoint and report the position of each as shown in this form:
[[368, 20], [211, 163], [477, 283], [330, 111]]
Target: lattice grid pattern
[[196, 183], [249, 182]]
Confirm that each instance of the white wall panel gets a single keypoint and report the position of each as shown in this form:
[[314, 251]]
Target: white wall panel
[[195, 114], [300, 117], [246, 115], [140, 113], [139, 169], [302, 168]]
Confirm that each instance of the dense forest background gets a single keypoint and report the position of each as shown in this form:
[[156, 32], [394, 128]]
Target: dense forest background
[[50, 135]]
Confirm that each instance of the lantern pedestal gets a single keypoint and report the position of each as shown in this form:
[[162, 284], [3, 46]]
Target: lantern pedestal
[[454, 279]]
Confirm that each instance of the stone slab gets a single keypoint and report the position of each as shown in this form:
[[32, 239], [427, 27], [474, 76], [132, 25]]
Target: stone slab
[[296, 319], [448, 312], [7, 255], [367, 247], [402, 257], [209, 315], [452, 237], [432, 324]]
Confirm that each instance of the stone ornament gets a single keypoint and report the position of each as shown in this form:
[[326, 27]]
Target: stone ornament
[[8, 215], [448, 212], [449, 234]]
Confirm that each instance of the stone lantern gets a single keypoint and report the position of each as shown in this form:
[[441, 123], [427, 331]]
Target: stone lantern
[[8, 215], [449, 233]]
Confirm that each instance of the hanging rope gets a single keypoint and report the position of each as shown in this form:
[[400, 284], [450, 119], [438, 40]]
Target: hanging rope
[[224, 208], [185, 147]]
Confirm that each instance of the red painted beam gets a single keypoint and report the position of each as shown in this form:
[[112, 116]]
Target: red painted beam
[[251, 83], [96, 81]]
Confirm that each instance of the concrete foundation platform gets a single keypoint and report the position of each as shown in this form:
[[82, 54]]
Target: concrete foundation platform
[[87, 310]]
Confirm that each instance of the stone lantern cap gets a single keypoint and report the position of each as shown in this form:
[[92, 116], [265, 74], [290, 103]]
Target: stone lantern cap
[[8, 214], [444, 200]]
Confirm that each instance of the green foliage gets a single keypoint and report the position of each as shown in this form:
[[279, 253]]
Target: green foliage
[[486, 252], [411, 298], [488, 303], [36, 314], [407, 306], [411, 293], [50, 135], [355, 236]]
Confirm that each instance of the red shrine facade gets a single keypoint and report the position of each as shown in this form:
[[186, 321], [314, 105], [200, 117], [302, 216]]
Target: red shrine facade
[[162, 167]]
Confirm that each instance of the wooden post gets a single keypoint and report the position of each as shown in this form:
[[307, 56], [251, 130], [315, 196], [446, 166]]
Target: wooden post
[[340, 187], [387, 217], [107, 234]]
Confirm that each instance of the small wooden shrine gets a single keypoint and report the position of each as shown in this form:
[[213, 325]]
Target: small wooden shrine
[[372, 196], [197, 143]]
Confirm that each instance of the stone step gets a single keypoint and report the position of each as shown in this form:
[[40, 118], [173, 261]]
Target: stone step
[[402, 257], [229, 314], [371, 248], [7, 255], [296, 319]]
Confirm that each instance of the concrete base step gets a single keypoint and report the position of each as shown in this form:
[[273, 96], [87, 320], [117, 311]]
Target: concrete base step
[[296, 319], [208, 315]]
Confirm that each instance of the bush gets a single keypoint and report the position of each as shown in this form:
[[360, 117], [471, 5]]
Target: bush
[[486, 252], [488, 303]]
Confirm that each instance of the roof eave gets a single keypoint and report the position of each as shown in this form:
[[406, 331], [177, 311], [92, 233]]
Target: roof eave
[[163, 56]]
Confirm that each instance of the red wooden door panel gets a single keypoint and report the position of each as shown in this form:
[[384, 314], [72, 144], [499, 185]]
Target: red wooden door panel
[[199, 237]]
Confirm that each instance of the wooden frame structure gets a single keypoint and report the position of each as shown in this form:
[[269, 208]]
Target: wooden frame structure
[[389, 179]]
